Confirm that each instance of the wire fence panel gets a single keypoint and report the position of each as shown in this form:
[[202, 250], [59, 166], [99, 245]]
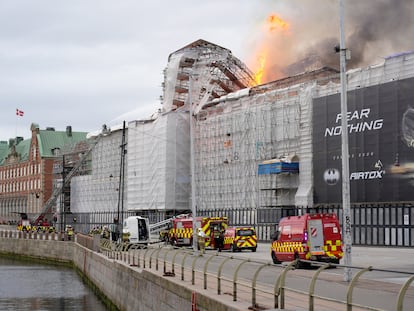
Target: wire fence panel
[[373, 224]]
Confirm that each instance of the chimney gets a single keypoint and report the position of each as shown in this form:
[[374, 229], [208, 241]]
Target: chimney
[[18, 140], [69, 131]]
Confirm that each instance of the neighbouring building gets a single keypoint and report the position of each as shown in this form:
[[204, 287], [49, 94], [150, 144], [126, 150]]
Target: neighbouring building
[[27, 169]]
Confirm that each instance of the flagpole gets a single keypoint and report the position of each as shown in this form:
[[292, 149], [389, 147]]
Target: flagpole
[[15, 127], [19, 113]]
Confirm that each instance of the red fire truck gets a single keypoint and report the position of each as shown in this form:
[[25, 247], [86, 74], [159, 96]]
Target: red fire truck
[[181, 232], [309, 237]]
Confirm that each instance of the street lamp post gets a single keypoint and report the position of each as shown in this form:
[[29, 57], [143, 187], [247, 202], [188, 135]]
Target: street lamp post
[[346, 206]]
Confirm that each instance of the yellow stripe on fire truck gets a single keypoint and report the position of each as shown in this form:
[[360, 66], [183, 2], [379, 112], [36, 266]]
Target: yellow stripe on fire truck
[[288, 247], [241, 241], [182, 232], [330, 247]]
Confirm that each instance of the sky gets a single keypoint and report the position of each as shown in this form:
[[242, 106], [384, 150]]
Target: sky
[[86, 63]]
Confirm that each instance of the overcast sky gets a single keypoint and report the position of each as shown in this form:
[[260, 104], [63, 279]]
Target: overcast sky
[[86, 63]]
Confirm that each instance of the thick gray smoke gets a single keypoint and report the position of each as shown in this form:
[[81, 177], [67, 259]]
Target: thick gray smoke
[[374, 29]]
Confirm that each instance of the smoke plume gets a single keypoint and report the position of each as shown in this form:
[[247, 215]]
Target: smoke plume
[[374, 29]]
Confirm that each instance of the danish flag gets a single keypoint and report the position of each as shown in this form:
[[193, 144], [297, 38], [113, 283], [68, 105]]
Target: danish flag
[[19, 113]]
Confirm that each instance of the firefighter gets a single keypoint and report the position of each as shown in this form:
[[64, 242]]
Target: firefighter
[[105, 232], [201, 238], [221, 240], [114, 229], [215, 234], [69, 232]]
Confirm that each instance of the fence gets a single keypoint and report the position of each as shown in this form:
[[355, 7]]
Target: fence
[[373, 224]]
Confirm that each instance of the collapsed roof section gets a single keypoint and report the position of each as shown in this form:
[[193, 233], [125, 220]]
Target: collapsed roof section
[[321, 76], [214, 72]]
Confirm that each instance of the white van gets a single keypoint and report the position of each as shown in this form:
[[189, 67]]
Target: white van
[[135, 230]]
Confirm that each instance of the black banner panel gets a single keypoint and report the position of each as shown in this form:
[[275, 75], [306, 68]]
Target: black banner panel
[[381, 144]]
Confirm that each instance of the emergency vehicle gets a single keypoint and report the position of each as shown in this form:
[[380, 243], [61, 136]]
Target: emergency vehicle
[[42, 225], [39, 225], [309, 237], [24, 225], [135, 230], [181, 232], [239, 238]]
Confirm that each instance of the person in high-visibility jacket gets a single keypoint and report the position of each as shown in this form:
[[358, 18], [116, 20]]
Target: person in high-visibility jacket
[[201, 239], [69, 232]]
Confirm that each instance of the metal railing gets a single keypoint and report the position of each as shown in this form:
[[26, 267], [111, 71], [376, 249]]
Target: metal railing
[[34, 235], [243, 279], [193, 266]]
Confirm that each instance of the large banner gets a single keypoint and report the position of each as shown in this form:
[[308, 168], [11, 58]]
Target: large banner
[[381, 144]]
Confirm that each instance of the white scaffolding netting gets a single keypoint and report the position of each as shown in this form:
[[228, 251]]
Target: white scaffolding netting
[[158, 157], [237, 127], [99, 191]]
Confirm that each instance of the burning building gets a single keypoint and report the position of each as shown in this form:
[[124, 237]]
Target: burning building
[[260, 149]]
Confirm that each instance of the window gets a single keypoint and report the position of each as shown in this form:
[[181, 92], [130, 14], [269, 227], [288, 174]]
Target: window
[[245, 232]]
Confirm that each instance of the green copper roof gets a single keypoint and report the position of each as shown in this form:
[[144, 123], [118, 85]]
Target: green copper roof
[[51, 140], [22, 148], [4, 150]]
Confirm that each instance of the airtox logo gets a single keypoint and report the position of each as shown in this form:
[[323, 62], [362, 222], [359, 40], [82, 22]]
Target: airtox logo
[[375, 174]]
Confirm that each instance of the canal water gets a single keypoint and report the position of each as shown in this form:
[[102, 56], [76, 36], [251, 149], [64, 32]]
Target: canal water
[[32, 286]]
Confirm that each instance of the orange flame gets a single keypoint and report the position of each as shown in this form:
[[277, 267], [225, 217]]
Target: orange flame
[[275, 22], [261, 60], [273, 28]]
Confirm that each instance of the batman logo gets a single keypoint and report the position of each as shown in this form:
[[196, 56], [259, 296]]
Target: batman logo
[[331, 176]]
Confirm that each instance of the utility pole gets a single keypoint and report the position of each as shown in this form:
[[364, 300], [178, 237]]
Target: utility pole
[[65, 194], [120, 214], [62, 198], [346, 205], [193, 192]]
